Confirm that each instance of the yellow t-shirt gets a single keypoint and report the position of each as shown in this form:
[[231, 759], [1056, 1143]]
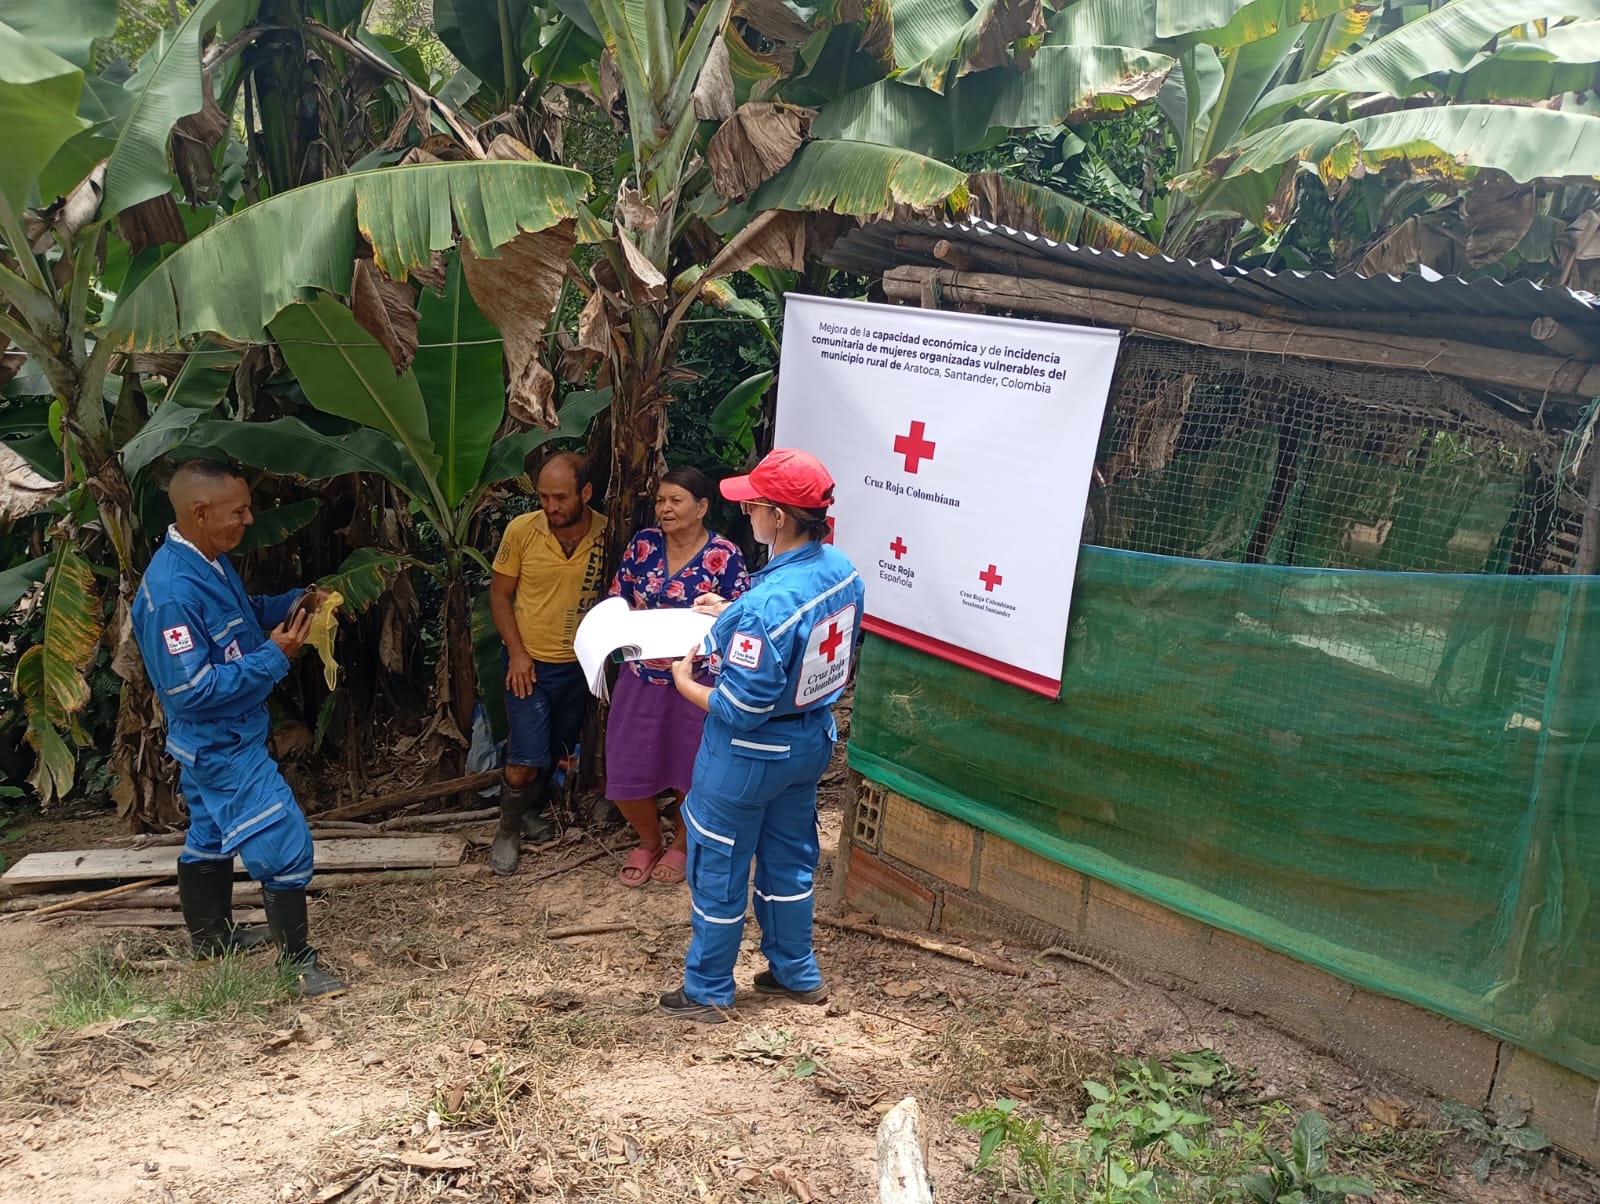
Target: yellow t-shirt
[[553, 590]]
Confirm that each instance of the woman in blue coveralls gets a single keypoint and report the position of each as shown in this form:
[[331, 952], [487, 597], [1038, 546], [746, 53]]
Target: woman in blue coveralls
[[780, 656]]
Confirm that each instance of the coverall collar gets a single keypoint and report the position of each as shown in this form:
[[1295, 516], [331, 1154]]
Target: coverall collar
[[174, 535], [809, 550]]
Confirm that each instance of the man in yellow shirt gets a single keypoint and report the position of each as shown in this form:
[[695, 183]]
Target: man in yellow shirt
[[547, 573]]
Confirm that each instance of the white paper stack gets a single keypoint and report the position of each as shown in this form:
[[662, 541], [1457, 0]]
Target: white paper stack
[[613, 626]]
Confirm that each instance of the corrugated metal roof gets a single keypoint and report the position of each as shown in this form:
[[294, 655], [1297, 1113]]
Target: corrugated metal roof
[[872, 248]]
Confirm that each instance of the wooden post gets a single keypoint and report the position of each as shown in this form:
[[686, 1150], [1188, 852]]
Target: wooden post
[[903, 1156]]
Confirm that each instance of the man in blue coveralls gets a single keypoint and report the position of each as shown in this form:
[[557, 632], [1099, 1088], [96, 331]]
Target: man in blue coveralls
[[213, 664]]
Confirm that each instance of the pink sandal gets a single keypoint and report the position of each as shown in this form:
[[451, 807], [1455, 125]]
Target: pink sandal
[[670, 867], [639, 864]]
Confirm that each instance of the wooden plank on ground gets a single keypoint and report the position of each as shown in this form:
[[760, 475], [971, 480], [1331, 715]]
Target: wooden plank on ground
[[152, 917], [41, 871]]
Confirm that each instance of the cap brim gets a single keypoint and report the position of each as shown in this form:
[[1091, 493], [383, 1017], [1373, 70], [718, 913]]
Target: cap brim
[[739, 489]]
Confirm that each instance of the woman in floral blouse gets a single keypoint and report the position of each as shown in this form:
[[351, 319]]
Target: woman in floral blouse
[[653, 732]]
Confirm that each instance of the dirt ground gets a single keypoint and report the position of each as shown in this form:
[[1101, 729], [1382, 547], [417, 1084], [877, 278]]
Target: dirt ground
[[475, 1058]]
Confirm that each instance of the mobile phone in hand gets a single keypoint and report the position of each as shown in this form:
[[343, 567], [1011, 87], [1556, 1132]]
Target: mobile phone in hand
[[307, 602]]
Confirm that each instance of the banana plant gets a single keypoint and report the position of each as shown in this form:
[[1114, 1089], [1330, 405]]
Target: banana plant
[[1331, 90]]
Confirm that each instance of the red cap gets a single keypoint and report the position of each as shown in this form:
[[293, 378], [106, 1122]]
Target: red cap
[[786, 475]]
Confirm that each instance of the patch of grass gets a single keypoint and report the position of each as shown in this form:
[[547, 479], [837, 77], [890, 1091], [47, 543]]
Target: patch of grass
[[104, 983]]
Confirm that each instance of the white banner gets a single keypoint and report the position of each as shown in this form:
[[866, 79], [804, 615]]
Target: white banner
[[962, 446]]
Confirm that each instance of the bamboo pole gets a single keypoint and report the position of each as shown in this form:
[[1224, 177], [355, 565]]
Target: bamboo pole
[[68, 905]]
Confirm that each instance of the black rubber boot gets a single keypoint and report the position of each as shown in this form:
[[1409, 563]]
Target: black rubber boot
[[205, 891], [286, 917], [515, 802]]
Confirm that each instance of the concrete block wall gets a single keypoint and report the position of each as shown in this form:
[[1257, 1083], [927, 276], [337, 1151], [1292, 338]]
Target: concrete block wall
[[913, 867]]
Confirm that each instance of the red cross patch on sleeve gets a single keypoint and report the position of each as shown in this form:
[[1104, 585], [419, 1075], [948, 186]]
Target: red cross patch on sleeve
[[178, 638], [744, 651]]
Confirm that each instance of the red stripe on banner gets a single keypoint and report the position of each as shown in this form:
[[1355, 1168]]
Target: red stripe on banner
[[1037, 683]]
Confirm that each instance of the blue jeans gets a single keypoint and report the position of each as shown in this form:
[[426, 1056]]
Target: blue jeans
[[545, 726]]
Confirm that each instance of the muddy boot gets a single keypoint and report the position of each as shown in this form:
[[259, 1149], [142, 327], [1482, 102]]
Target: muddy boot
[[286, 917], [515, 802], [205, 890]]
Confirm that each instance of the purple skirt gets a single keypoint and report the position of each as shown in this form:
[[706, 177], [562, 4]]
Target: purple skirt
[[652, 736]]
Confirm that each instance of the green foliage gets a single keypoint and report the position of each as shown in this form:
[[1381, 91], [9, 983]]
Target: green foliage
[[458, 367], [49, 676], [1148, 1138], [1504, 1137], [38, 102]]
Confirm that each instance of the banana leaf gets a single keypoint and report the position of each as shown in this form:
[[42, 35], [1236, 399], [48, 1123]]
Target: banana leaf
[[288, 447], [506, 456], [235, 277], [68, 30], [15, 582], [38, 110], [862, 179], [1447, 39], [460, 369], [1525, 144], [167, 86], [200, 384], [343, 370]]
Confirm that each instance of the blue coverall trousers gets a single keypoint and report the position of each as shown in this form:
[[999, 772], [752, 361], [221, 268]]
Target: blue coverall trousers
[[241, 804], [741, 808]]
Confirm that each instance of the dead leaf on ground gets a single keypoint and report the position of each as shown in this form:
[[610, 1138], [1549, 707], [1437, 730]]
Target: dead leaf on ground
[[794, 1182], [283, 1037], [474, 1048], [372, 1058], [134, 1079], [1388, 1110], [902, 990], [457, 1097], [322, 1045]]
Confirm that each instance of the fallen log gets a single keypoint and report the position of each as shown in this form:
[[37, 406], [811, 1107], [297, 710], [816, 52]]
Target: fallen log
[[903, 1156], [916, 940], [412, 794]]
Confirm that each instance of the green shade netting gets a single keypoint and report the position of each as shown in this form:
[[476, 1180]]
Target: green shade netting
[[1393, 776]]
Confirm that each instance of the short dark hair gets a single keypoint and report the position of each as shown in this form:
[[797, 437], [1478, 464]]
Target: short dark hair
[[578, 464], [691, 479]]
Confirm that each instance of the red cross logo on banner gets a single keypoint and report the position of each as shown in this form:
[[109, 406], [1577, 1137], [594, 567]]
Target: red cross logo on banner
[[830, 646], [914, 446], [990, 579], [898, 547]]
